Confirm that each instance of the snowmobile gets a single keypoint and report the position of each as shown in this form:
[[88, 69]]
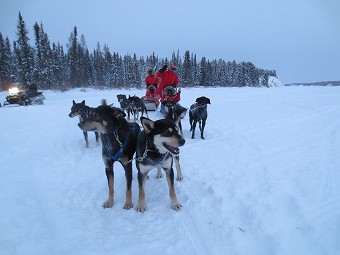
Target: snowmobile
[[27, 97], [151, 99]]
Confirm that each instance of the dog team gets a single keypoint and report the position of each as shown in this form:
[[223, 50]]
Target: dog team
[[155, 146]]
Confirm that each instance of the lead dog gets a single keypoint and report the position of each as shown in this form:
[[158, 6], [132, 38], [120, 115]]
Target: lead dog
[[119, 139], [83, 111], [198, 113], [157, 144]]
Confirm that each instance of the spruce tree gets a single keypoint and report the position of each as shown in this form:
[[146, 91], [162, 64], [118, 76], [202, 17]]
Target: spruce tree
[[5, 63], [186, 70], [73, 59], [24, 53]]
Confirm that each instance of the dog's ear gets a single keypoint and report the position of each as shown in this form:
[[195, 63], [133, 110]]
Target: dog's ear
[[198, 99], [147, 124], [74, 102], [83, 102], [118, 113], [208, 101], [104, 102]]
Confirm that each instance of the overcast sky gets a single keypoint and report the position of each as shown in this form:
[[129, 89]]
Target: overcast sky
[[300, 39]]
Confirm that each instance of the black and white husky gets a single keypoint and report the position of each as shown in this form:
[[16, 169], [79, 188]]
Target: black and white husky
[[175, 113], [157, 145]]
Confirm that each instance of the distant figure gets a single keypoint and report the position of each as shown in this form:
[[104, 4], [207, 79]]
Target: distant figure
[[152, 79], [170, 94], [168, 77], [168, 85]]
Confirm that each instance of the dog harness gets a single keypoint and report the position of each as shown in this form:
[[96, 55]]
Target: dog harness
[[132, 129], [199, 109], [122, 146]]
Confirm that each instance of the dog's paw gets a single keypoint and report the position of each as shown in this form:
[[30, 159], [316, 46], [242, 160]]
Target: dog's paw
[[180, 178], [141, 207], [128, 205], [108, 204], [176, 206], [159, 175]]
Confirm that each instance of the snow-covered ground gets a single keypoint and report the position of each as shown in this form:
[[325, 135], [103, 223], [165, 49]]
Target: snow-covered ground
[[265, 181]]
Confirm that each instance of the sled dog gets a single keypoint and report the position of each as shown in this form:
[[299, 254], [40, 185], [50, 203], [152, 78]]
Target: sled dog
[[175, 113], [156, 146], [125, 105], [198, 113], [83, 112], [119, 139], [137, 105]]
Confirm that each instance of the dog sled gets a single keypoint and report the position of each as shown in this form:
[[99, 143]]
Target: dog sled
[[151, 104], [31, 96], [151, 99]]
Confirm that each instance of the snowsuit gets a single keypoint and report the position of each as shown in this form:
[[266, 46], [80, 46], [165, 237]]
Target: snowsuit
[[152, 80], [168, 78], [176, 98]]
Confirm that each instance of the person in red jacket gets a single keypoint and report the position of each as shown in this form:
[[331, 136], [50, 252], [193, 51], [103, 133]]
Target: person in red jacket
[[167, 88], [152, 79], [151, 82], [169, 94], [168, 77]]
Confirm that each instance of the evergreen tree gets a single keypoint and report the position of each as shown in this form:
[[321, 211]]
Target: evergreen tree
[[73, 59], [195, 71], [108, 68], [264, 79], [24, 53], [59, 67], [186, 70], [43, 58], [209, 74], [52, 68], [152, 62], [83, 63], [136, 72], [203, 72], [5, 62], [128, 71], [98, 66]]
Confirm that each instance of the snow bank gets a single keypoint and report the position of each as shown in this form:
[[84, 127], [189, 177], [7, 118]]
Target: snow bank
[[274, 82]]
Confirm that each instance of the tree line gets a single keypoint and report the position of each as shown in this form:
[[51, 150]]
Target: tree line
[[50, 66]]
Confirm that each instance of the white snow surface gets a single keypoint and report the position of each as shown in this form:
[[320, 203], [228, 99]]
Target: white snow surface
[[266, 180]]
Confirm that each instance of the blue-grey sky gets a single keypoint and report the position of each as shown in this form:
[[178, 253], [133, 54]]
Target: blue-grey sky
[[300, 39]]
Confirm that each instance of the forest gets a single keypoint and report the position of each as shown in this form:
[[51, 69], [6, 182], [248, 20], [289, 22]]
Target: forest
[[51, 66]]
